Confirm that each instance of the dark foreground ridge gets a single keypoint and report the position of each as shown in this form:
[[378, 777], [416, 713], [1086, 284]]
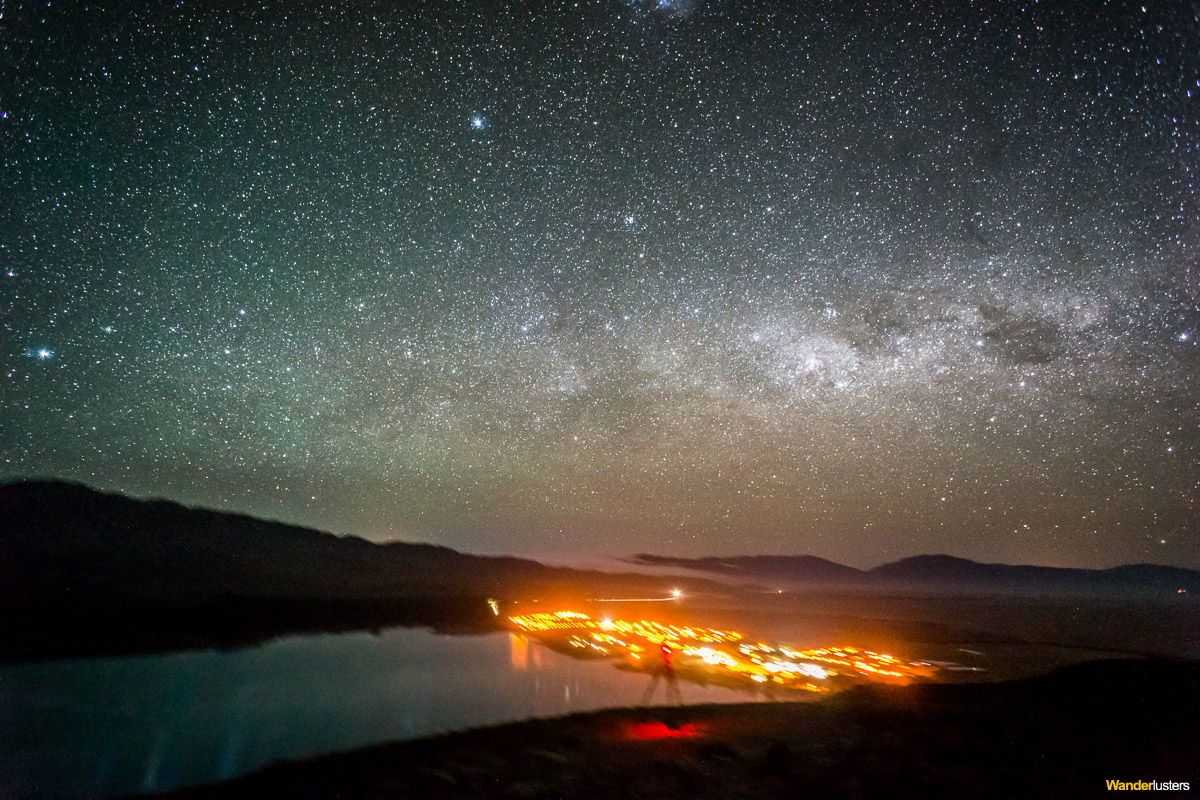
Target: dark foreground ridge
[[1060, 735]]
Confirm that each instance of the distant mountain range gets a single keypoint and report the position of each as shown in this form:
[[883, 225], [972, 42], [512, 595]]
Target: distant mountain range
[[939, 572]]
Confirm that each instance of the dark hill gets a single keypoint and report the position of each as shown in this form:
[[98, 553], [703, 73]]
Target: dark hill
[[951, 572], [84, 572], [943, 568], [806, 568], [67, 540], [944, 573]]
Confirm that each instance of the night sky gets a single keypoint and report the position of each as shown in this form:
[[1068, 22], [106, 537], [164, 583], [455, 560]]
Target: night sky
[[861, 280]]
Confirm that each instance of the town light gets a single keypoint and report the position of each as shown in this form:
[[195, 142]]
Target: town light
[[708, 653]]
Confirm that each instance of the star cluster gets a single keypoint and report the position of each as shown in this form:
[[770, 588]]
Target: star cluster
[[855, 279]]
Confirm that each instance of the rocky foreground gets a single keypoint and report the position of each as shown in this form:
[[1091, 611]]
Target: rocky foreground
[[1061, 736]]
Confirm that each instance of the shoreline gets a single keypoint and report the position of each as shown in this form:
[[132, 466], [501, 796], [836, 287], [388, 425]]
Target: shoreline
[[1058, 735]]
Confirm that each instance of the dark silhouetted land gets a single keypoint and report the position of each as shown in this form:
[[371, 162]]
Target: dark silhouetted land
[[943, 573], [90, 573], [1060, 736], [84, 572]]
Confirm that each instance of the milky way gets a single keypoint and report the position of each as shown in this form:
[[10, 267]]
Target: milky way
[[857, 280]]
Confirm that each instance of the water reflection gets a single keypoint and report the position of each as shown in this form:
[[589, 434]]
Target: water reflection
[[111, 726]]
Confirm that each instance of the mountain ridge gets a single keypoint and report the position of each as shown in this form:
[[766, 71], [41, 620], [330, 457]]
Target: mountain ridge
[[52, 524], [940, 569], [84, 572]]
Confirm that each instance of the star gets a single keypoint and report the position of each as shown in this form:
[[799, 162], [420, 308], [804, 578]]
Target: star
[[40, 353], [713, 296]]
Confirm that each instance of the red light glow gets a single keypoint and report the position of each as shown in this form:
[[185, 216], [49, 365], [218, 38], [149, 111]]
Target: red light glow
[[657, 731]]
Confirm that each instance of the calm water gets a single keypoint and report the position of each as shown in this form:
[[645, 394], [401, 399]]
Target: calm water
[[106, 726]]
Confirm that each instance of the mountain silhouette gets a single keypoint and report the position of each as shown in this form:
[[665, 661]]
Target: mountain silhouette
[[941, 573], [84, 572], [808, 568], [65, 540]]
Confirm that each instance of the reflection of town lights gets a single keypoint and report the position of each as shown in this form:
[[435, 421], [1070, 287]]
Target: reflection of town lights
[[606, 624], [677, 593], [495, 606]]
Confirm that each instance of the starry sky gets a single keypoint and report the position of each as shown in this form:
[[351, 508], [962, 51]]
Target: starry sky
[[855, 279]]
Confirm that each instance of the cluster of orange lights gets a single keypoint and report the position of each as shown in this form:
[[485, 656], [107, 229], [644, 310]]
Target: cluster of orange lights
[[712, 652]]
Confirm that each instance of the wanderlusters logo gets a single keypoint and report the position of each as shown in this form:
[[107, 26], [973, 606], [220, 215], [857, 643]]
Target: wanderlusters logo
[[1114, 785]]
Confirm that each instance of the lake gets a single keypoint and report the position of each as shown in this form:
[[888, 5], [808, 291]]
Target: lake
[[99, 727]]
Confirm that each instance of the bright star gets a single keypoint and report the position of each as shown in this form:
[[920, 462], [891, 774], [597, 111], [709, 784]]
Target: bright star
[[479, 122], [39, 353]]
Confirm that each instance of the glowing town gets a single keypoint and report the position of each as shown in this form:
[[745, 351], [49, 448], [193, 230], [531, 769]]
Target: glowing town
[[710, 655]]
